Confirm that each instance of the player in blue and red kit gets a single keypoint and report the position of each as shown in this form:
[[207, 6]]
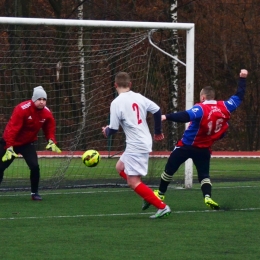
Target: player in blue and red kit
[[208, 123]]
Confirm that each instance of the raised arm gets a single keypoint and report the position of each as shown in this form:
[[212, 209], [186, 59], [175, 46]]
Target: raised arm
[[237, 98], [242, 84]]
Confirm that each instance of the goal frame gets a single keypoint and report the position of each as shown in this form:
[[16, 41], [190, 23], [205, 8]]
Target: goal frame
[[189, 63]]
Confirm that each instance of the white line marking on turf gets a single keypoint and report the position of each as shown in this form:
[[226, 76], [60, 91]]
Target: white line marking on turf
[[126, 214], [24, 193], [65, 193]]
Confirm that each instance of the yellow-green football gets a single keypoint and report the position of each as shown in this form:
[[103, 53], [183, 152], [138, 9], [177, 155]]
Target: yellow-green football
[[91, 158]]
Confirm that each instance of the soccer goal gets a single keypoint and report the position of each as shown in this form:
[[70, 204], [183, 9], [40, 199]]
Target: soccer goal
[[76, 62]]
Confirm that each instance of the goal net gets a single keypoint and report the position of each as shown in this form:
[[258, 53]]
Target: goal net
[[76, 62]]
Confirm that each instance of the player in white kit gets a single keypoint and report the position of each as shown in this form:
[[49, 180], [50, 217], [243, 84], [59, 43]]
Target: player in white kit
[[129, 110]]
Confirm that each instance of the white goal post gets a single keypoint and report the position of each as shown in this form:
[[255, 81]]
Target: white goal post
[[188, 63]]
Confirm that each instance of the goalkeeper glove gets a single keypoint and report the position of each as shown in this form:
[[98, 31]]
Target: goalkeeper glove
[[51, 146], [9, 154]]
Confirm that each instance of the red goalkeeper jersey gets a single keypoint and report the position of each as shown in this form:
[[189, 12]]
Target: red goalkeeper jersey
[[25, 123]]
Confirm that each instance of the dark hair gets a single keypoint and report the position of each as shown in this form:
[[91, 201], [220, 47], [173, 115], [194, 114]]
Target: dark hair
[[209, 92], [122, 79]]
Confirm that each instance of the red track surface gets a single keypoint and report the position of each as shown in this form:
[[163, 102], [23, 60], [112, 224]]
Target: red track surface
[[215, 154], [236, 154]]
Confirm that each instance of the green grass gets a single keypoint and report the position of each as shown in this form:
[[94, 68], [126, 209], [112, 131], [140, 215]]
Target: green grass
[[108, 223], [220, 168]]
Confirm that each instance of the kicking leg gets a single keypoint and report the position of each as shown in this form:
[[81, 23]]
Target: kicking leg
[[148, 195], [201, 159]]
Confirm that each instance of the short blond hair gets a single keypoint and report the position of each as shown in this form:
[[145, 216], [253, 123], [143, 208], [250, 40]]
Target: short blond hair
[[209, 92], [123, 79]]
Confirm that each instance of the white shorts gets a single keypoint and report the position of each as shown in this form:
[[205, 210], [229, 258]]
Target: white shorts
[[135, 164]]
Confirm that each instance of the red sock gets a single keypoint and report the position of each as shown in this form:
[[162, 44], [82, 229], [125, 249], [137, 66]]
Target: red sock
[[123, 175], [147, 194]]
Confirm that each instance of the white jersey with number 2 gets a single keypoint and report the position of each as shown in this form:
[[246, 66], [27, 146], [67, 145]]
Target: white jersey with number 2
[[129, 110]]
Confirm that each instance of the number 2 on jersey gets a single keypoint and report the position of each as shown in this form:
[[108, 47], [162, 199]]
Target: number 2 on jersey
[[136, 108]]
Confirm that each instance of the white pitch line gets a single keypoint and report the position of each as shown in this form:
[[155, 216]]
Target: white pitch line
[[24, 193], [127, 214], [66, 193]]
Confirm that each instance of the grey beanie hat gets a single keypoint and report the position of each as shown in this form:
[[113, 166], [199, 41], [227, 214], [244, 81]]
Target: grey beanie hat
[[38, 92]]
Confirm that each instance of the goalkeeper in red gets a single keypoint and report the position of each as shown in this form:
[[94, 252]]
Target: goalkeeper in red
[[21, 132], [129, 110], [208, 123]]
